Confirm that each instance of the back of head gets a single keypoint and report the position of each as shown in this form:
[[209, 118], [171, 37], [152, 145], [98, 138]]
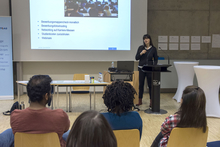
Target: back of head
[[91, 129], [38, 86], [192, 109], [119, 96]]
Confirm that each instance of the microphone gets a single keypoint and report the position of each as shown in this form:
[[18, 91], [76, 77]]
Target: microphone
[[167, 55]]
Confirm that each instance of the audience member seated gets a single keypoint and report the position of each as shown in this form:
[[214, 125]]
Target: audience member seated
[[100, 9], [115, 8], [93, 11], [69, 6], [91, 2], [106, 11], [37, 118], [191, 114], [111, 4], [73, 9], [118, 98], [91, 129]]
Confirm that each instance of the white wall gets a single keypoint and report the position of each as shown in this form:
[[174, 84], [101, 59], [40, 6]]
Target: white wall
[[4, 8]]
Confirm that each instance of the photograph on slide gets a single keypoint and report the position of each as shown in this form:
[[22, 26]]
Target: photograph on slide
[[91, 8]]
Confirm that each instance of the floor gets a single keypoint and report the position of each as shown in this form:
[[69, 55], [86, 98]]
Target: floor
[[151, 122]]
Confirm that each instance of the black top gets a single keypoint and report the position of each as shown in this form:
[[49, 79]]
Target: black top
[[149, 58]]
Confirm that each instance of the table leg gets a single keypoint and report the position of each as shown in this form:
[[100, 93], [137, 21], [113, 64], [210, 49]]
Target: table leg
[[52, 102], [70, 101], [18, 93], [94, 97], [58, 97], [67, 108], [90, 100]]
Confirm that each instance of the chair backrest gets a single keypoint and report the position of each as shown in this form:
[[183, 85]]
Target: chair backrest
[[190, 137], [80, 88], [36, 140], [127, 138]]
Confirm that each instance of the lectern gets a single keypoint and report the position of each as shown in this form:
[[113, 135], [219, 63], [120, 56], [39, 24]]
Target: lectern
[[155, 90]]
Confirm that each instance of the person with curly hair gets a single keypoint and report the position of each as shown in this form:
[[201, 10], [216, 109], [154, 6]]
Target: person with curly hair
[[118, 98]]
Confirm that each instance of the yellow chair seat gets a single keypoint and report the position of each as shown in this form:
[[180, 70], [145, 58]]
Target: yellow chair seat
[[188, 137], [127, 138], [36, 140]]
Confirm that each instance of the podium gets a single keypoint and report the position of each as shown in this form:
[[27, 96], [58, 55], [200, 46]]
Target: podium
[[155, 84]]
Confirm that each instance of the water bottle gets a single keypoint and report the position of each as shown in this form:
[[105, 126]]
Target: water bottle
[[112, 64], [22, 105], [100, 79]]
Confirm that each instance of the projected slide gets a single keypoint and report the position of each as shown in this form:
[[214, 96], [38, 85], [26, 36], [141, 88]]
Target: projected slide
[[80, 24]]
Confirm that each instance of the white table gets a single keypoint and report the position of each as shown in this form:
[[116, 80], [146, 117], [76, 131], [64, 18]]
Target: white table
[[66, 83], [185, 73], [209, 81]]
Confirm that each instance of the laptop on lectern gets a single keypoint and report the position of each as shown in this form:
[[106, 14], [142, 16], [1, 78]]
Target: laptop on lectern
[[125, 66]]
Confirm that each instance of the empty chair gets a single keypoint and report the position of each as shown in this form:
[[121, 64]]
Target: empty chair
[[127, 138], [188, 137], [80, 89], [36, 140]]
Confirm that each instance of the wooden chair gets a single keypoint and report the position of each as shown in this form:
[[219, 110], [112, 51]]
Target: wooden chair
[[36, 140], [127, 138], [188, 137], [81, 89]]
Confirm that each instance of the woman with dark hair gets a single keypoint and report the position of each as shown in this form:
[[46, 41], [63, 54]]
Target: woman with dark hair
[[91, 129], [191, 114], [118, 98], [147, 55]]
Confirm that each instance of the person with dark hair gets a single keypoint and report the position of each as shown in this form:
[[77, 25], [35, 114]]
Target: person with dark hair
[[37, 118], [191, 114], [93, 12], [73, 9], [91, 129], [147, 55], [118, 98]]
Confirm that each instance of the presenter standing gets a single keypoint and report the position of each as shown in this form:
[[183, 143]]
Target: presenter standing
[[147, 55]]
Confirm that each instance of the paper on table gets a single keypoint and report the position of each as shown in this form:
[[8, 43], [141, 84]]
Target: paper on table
[[23, 82], [80, 81], [67, 81]]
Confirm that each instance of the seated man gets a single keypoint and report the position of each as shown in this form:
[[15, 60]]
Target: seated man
[[118, 98], [38, 118]]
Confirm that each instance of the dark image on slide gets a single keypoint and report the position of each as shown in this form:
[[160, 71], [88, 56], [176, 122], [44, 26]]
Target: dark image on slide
[[91, 8]]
